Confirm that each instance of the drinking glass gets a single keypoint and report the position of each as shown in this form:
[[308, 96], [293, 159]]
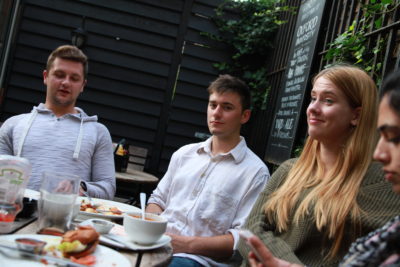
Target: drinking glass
[[14, 176], [58, 194]]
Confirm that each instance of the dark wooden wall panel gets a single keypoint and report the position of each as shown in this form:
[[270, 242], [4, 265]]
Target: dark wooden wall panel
[[189, 108], [192, 90], [117, 87], [133, 49], [130, 46]]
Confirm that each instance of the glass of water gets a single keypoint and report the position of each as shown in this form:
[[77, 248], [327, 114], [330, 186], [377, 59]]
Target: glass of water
[[58, 194]]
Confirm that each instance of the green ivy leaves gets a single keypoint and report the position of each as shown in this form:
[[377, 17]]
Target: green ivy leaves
[[250, 38], [354, 46]]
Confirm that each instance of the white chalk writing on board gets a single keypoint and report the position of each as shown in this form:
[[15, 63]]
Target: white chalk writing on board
[[291, 95]]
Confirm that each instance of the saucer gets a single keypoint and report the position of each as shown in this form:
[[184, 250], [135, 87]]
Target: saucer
[[123, 240]]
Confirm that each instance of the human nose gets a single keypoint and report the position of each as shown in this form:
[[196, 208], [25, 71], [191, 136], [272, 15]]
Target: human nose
[[66, 81], [313, 107], [217, 111], [380, 152]]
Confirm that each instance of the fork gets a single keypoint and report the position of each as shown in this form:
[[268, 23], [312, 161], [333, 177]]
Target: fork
[[89, 198]]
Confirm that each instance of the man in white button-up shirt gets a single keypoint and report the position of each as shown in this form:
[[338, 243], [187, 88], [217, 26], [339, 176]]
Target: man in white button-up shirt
[[210, 187]]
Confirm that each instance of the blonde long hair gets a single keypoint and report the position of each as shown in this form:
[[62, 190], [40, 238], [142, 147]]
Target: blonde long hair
[[332, 199]]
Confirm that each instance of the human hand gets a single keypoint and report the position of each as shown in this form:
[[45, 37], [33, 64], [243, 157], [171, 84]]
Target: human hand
[[64, 186], [266, 257], [81, 191], [180, 243]]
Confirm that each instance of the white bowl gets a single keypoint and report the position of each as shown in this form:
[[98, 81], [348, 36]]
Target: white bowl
[[144, 232], [102, 226]]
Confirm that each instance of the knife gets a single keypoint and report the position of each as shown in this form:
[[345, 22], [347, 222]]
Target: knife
[[40, 257]]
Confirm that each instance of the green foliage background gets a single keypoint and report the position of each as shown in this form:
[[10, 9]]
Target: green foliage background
[[250, 38], [355, 47]]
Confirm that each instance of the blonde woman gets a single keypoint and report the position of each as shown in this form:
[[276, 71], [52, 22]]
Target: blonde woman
[[315, 206]]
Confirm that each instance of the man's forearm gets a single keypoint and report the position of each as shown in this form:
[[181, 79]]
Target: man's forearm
[[217, 247], [153, 208]]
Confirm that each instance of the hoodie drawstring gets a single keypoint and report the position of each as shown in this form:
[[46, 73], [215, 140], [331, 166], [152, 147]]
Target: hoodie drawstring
[[79, 141], [25, 133]]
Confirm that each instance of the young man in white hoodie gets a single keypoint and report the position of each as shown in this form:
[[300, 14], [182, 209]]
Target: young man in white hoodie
[[59, 137]]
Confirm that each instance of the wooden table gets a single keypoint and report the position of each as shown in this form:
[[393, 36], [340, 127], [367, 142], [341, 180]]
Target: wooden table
[[136, 177], [156, 257]]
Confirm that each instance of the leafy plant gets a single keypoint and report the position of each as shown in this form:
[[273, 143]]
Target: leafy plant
[[353, 45], [250, 38]]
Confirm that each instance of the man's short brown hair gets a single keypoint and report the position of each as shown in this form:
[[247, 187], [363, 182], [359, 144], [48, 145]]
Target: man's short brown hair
[[68, 52], [227, 83]]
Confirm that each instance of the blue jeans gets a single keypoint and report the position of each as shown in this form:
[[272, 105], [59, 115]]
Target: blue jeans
[[183, 262]]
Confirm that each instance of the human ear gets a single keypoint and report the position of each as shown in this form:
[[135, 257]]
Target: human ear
[[45, 77], [245, 116], [83, 85], [356, 116]]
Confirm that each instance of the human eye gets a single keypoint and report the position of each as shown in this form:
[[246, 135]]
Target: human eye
[[58, 74], [76, 78], [228, 108], [391, 134], [328, 101], [313, 99], [212, 105], [393, 138]]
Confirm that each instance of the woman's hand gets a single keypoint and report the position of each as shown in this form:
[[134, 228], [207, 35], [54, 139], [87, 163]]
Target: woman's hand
[[266, 257]]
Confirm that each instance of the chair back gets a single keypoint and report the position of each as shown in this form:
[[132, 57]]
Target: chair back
[[137, 158]]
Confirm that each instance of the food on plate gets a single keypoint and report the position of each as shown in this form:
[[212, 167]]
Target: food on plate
[[140, 217], [30, 245], [50, 231], [87, 260], [79, 243], [99, 208]]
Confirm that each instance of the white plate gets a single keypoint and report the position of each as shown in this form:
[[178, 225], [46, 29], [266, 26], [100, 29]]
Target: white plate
[[125, 243], [29, 193], [98, 201], [120, 240], [105, 257]]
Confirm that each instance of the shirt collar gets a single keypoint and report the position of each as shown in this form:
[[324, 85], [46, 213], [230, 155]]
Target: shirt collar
[[237, 153]]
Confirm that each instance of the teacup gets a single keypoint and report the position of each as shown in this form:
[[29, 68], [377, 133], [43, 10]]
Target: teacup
[[141, 231]]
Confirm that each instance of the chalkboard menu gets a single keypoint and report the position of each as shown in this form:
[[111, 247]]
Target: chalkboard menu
[[291, 96]]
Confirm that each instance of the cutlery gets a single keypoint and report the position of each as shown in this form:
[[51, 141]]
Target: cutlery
[[143, 204], [89, 198], [39, 257]]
